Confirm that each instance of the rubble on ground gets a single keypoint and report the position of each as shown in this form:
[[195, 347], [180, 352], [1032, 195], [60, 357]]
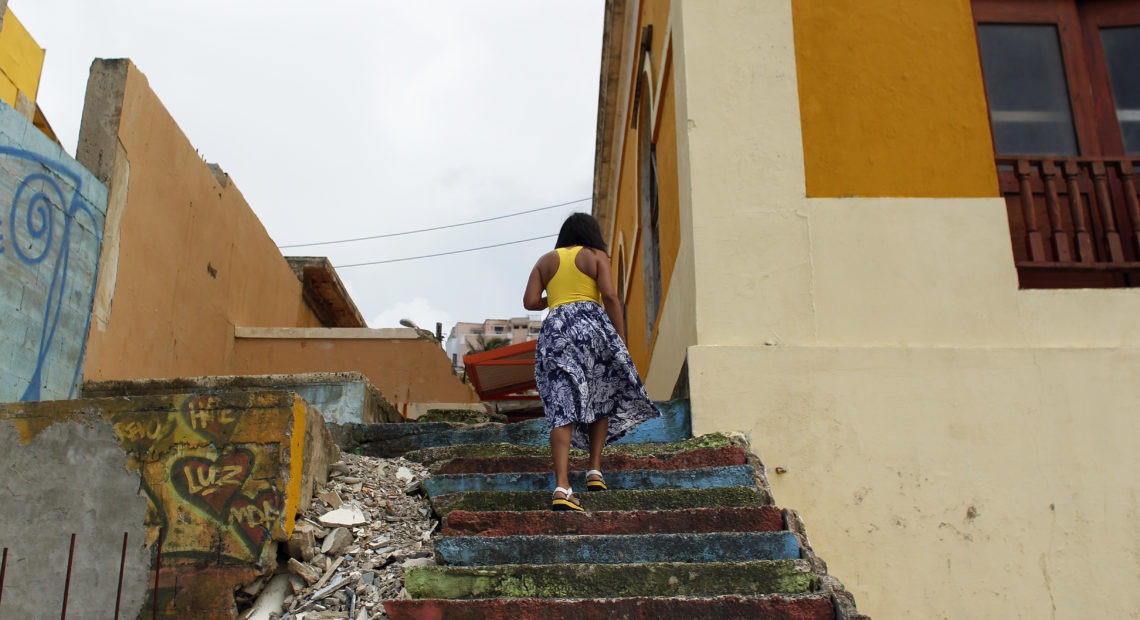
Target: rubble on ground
[[349, 549]]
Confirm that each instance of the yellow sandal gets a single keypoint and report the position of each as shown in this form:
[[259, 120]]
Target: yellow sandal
[[566, 502], [598, 483]]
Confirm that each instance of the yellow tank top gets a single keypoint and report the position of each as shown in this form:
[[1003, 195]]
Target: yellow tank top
[[569, 284]]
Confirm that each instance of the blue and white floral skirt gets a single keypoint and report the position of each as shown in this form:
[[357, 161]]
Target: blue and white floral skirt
[[584, 373]]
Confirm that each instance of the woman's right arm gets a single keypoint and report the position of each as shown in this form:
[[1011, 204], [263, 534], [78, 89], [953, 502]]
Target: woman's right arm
[[532, 297], [610, 299]]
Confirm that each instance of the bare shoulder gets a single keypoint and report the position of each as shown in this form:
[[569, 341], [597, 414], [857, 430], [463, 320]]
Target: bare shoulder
[[547, 265]]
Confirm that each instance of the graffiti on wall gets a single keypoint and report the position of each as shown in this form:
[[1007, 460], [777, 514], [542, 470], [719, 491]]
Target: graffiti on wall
[[211, 470], [49, 249]]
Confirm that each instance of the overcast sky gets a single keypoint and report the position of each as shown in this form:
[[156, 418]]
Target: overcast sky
[[344, 119]]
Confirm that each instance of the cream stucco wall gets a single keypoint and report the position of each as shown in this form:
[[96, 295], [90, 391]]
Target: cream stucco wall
[[946, 482], [958, 448]]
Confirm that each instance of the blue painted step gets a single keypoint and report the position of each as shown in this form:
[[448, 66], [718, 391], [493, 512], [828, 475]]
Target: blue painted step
[[637, 480], [622, 549], [390, 440]]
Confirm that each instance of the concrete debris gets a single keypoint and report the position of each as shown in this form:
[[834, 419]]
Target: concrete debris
[[344, 517], [344, 561]]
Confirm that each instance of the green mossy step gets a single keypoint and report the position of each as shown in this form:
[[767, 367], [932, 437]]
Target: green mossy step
[[611, 580], [439, 454], [656, 499]]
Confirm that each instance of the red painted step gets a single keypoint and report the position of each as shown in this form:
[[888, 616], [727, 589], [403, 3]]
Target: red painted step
[[701, 457], [693, 520], [774, 607]]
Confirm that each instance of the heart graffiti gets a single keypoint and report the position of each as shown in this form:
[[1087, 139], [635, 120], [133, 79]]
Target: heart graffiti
[[255, 517], [210, 416], [211, 484]]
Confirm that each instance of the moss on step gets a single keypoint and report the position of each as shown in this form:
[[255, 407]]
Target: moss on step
[[611, 580], [438, 454], [657, 499], [461, 416]]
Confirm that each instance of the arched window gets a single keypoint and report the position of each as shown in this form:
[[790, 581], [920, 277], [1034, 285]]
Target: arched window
[[647, 193]]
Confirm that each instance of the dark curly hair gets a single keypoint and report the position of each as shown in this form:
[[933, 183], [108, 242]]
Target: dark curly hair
[[581, 229]]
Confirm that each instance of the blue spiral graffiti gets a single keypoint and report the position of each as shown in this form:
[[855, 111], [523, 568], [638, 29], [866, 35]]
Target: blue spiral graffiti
[[31, 221]]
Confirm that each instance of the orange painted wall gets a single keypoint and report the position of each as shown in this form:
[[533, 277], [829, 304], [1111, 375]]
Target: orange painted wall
[[627, 216], [193, 259], [891, 99], [404, 370]]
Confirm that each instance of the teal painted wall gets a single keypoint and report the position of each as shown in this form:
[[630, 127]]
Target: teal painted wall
[[51, 221]]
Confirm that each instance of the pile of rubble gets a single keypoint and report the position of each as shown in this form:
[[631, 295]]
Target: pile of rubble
[[349, 549]]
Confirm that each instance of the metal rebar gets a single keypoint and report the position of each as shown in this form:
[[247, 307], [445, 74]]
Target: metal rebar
[[3, 567], [67, 580], [122, 567], [157, 569]]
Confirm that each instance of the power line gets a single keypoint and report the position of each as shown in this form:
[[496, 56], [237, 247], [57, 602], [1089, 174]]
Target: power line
[[485, 247], [412, 232]]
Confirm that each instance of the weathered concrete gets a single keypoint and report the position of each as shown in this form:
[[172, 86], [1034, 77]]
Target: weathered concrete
[[703, 457], [741, 519], [637, 479], [768, 607], [73, 478], [658, 499], [386, 441], [341, 397], [216, 480], [619, 549], [611, 580]]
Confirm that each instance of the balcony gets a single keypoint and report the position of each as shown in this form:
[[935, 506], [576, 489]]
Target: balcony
[[1074, 221]]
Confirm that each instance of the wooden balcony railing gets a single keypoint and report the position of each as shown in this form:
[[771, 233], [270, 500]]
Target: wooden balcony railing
[[1075, 222]]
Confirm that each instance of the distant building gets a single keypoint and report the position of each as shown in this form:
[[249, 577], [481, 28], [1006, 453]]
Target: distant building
[[467, 338]]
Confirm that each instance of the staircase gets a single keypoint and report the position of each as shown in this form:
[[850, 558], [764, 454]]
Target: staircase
[[687, 530]]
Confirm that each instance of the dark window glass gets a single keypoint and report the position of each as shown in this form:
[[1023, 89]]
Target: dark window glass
[[1122, 52], [1025, 83]]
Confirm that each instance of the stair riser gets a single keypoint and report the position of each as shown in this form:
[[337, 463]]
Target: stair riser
[[390, 440], [611, 580], [696, 520], [705, 457], [719, 608], [662, 499], [629, 549], [704, 478], [439, 454]]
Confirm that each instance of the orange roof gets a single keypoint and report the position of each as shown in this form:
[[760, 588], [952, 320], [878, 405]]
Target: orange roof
[[503, 373]]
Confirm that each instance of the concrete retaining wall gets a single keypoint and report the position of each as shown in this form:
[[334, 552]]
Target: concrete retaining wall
[[341, 397], [202, 486]]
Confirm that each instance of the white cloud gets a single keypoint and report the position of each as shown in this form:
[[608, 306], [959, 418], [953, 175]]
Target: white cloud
[[418, 310]]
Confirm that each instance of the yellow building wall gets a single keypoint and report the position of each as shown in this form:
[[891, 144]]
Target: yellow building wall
[[627, 217], [21, 61], [892, 99], [185, 259]]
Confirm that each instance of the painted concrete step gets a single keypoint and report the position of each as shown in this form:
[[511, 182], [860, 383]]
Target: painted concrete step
[[696, 520], [611, 580], [439, 454], [637, 479], [617, 549], [725, 456], [657, 499], [764, 607], [391, 440]]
